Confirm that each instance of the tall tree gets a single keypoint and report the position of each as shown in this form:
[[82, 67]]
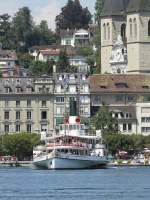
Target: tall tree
[[98, 10], [97, 40], [5, 31], [104, 121], [63, 62], [72, 16], [47, 36], [22, 26]]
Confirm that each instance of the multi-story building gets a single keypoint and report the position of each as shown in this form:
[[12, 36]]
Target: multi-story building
[[71, 87], [30, 104], [26, 104], [127, 96]]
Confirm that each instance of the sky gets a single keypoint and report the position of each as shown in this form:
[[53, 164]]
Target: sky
[[41, 9]]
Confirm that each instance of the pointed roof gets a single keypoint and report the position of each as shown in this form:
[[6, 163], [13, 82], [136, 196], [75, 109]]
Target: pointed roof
[[114, 7], [138, 6]]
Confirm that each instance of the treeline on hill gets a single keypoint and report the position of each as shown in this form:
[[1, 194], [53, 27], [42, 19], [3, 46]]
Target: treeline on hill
[[20, 31]]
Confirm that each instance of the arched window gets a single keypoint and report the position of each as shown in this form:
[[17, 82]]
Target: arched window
[[131, 31], [149, 28], [135, 28], [104, 31], [108, 31], [123, 32]]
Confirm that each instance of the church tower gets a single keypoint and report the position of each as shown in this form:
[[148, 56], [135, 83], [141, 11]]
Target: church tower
[[113, 23], [138, 36]]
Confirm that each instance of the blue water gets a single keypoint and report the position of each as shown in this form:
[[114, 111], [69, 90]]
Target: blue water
[[103, 184]]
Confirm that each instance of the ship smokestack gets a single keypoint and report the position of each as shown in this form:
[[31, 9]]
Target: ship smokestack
[[73, 107]]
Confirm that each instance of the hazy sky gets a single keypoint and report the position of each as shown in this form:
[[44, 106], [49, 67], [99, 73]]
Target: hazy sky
[[41, 9]]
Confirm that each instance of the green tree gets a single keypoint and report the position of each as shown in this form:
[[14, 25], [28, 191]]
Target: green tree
[[25, 59], [73, 16], [47, 36], [22, 26], [20, 145], [98, 10], [5, 32], [63, 64], [104, 121], [38, 68]]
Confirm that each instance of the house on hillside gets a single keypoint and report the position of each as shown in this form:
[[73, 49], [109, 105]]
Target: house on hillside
[[8, 59]]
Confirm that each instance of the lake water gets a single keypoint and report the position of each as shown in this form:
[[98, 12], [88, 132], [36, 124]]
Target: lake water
[[103, 184]]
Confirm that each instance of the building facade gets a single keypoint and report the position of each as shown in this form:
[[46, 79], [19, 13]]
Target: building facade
[[26, 105], [127, 97], [68, 87]]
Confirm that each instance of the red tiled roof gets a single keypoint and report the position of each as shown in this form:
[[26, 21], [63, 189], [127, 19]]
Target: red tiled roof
[[120, 83]]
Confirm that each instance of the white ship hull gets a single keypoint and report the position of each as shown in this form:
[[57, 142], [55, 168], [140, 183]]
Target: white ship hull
[[70, 162]]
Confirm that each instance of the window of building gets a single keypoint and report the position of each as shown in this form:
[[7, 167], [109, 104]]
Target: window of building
[[43, 115], [145, 129], [18, 90], [29, 128], [59, 110], [6, 103], [116, 115], [135, 28], [131, 31], [130, 98], [123, 32], [119, 97], [17, 103], [6, 128], [7, 90], [28, 103], [104, 31], [29, 115], [60, 99], [72, 88], [85, 88], [149, 28], [17, 128], [58, 88], [145, 119], [29, 90], [17, 115], [124, 127], [129, 127], [6, 115], [121, 85], [43, 103], [108, 31]]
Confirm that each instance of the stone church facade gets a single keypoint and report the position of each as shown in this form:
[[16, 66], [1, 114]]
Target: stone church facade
[[129, 19]]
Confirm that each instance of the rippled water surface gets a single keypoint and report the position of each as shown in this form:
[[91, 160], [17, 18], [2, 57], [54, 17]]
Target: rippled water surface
[[103, 184]]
